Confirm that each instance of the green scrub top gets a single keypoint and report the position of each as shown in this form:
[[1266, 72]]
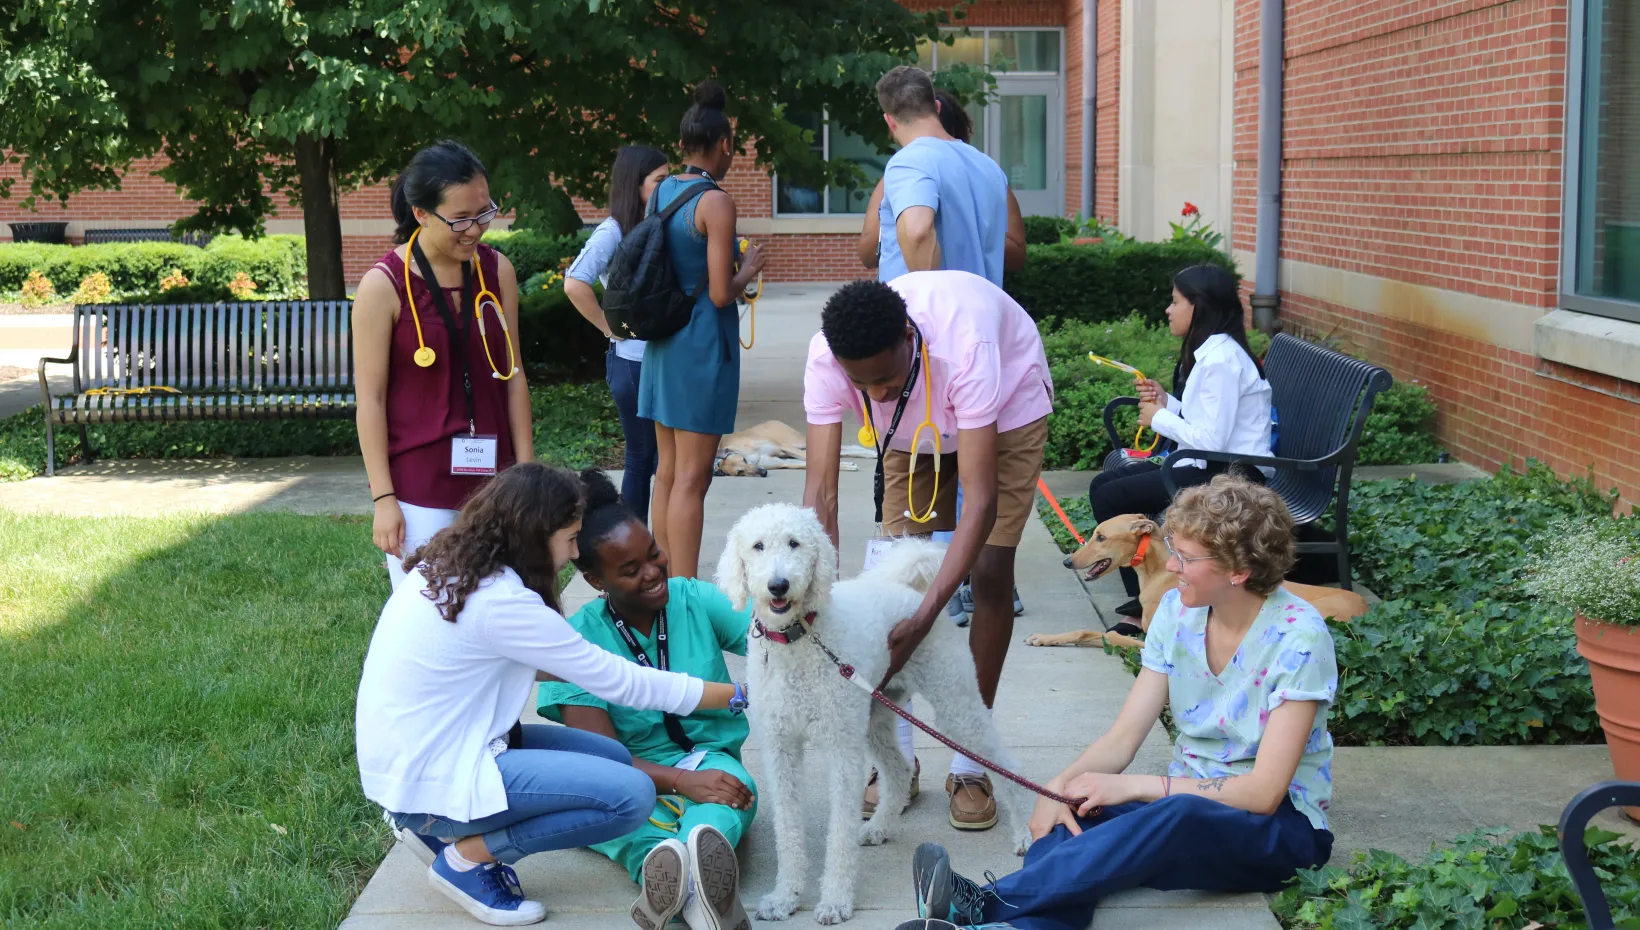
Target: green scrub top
[[701, 625]]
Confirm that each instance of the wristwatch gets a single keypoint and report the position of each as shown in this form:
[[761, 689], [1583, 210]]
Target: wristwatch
[[739, 703]]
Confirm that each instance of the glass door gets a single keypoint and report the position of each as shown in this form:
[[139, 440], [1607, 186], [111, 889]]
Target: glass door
[[1023, 128]]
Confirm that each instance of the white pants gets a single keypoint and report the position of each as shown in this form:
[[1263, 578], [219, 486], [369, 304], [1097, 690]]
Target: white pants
[[420, 525]]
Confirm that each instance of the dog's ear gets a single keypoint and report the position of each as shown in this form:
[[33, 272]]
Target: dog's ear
[[731, 570], [1142, 527]]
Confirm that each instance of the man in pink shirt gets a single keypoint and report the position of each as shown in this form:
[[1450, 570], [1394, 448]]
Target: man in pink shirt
[[944, 352]]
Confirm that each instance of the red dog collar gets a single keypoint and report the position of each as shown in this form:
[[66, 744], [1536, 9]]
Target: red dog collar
[[787, 636], [1140, 553]]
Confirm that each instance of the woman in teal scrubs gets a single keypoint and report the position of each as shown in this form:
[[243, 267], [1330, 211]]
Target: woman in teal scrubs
[[705, 797]]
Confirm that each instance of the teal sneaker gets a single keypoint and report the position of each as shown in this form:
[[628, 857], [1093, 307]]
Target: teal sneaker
[[942, 894]]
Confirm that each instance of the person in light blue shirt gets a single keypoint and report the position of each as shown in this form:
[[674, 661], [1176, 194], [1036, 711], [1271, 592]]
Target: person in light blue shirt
[[1250, 673], [945, 203], [632, 179]]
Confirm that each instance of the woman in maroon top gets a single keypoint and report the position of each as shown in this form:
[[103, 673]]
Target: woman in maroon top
[[428, 440]]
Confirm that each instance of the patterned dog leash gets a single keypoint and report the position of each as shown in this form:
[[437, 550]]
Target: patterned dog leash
[[848, 673]]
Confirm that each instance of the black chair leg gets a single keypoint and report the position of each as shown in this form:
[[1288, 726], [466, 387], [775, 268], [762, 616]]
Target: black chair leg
[[1573, 821], [51, 447], [87, 455]]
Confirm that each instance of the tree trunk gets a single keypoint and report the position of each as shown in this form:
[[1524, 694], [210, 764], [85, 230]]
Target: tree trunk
[[321, 219]]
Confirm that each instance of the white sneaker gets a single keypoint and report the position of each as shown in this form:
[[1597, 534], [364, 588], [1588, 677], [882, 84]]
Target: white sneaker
[[666, 876], [714, 879]]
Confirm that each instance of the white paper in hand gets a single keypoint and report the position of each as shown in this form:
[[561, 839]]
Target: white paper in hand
[[875, 550]]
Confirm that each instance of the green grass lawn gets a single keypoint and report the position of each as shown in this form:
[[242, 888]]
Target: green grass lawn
[[176, 720]]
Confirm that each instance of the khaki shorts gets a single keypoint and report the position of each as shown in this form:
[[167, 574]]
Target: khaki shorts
[[1019, 464]]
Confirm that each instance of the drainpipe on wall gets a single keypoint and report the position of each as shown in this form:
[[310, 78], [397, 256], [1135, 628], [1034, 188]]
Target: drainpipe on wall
[[1266, 295], [1090, 90]]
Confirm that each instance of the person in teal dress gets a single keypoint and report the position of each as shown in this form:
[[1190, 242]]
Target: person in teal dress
[[705, 797], [690, 383]]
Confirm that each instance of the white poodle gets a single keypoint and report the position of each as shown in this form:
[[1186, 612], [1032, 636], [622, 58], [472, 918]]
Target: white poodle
[[779, 557]]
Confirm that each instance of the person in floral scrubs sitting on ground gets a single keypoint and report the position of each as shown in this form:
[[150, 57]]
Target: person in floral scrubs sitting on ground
[[1249, 671]]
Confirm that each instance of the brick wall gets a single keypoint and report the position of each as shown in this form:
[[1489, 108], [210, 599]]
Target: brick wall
[[1107, 48], [1423, 145]]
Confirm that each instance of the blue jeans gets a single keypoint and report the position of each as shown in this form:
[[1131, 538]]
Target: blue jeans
[[641, 455], [1184, 841], [565, 788]]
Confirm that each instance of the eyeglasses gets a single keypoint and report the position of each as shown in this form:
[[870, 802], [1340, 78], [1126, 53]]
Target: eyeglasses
[[1168, 542], [466, 223]]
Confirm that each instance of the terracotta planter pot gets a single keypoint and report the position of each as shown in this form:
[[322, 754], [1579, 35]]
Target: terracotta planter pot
[[1088, 240], [1614, 666]]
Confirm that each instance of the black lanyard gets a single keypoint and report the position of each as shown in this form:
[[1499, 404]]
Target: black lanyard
[[692, 169], [894, 423], [673, 723], [458, 337]]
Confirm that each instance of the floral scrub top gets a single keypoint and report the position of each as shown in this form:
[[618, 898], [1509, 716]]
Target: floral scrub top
[[1287, 655]]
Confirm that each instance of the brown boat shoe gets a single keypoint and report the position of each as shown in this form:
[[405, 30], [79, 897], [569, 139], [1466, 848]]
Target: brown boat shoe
[[973, 802], [869, 805]]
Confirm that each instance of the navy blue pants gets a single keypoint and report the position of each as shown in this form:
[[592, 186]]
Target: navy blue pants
[[641, 454], [1180, 842]]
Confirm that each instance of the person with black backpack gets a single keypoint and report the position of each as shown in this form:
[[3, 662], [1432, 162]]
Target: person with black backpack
[[690, 383]]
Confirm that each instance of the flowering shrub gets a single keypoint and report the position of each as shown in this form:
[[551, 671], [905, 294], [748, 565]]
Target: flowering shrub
[[241, 287], [173, 279], [1591, 566], [1193, 229], [37, 290], [95, 288]]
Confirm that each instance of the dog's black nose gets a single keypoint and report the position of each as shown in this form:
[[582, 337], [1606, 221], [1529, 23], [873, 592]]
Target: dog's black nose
[[1068, 562], [779, 586]]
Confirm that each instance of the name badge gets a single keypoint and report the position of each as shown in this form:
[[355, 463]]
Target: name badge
[[473, 455], [875, 550]]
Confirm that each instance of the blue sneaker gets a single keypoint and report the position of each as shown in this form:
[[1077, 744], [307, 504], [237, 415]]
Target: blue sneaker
[[943, 894], [965, 595], [489, 892], [426, 848], [953, 609], [934, 923]]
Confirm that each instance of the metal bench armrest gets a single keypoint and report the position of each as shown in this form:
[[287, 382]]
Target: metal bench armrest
[[45, 391], [1110, 418], [1573, 821], [1176, 459]]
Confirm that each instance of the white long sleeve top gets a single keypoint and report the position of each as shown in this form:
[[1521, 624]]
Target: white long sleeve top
[[1226, 405], [434, 694]]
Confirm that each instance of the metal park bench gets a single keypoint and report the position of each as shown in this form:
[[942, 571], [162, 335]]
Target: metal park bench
[[1322, 399], [155, 234], [259, 360]]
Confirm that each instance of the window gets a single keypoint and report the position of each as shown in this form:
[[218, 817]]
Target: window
[[1009, 51], [791, 199], [1601, 229]]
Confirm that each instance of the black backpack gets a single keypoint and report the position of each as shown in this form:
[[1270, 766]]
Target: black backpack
[[642, 299]]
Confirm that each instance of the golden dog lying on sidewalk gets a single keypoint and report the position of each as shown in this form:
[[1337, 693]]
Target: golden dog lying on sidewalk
[[771, 444], [1126, 540]]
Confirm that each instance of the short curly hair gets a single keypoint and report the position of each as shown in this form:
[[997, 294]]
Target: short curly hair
[[862, 319], [1243, 525]]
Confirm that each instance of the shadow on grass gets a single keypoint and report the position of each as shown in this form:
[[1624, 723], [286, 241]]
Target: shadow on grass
[[177, 723]]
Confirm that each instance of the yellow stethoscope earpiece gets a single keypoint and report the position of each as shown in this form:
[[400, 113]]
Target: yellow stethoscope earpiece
[[425, 356], [1137, 376], [868, 437]]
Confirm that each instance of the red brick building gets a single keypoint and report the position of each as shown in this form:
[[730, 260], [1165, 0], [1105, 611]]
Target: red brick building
[[1460, 194]]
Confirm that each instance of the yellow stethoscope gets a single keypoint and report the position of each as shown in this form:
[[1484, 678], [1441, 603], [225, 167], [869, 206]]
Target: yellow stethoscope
[[1138, 375], [425, 356], [676, 811], [868, 437], [751, 297]]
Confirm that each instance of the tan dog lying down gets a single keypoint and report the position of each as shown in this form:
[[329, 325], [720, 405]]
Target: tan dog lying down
[[772, 444], [1116, 543]]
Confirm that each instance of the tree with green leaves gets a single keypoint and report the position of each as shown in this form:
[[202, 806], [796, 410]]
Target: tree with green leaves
[[249, 100]]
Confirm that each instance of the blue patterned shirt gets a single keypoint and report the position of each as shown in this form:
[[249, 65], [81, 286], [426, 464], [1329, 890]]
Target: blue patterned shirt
[[1286, 655]]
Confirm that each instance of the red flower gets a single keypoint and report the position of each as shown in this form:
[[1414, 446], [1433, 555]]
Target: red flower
[[1190, 209]]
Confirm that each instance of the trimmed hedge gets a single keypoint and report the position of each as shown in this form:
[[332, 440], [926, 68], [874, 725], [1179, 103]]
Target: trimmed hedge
[[534, 253], [1047, 230], [557, 342], [278, 265], [1105, 281]]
